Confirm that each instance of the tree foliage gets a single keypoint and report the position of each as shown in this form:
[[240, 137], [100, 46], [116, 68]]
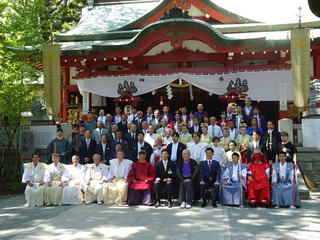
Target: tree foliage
[[24, 26]]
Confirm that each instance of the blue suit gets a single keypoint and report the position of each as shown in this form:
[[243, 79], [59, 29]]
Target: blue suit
[[209, 177]]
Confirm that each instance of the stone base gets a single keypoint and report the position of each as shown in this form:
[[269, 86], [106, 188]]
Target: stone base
[[309, 161], [312, 113]]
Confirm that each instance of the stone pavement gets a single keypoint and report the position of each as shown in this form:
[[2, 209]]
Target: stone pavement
[[142, 222]]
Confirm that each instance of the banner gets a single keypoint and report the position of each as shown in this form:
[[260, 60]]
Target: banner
[[51, 71], [300, 62], [260, 86]]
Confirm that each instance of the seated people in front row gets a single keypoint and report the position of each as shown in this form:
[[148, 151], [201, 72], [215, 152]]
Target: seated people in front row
[[96, 177], [284, 184], [258, 180], [72, 194], [187, 171], [141, 182], [165, 176], [115, 191], [33, 176], [232, 189], [209, 177], [55, 177]]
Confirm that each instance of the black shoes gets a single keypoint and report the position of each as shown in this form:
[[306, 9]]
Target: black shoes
[[158, 204], [204, 204], [214, 204]]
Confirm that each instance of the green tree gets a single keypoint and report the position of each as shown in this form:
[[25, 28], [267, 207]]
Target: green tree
[[24, 26]]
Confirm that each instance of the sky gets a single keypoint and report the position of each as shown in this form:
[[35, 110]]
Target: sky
[[270, 11]]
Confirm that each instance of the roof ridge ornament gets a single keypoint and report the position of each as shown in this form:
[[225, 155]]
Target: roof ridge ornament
[[175, 12]]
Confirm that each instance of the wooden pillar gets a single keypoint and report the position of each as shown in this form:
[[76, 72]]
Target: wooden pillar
[[65, 94]]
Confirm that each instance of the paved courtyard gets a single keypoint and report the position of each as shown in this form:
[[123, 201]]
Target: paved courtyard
[[142, 222]]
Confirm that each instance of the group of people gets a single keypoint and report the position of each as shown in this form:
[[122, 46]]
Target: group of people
[[125, 159]]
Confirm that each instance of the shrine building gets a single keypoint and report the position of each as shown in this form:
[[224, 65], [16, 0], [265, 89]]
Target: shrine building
[[176, 53]]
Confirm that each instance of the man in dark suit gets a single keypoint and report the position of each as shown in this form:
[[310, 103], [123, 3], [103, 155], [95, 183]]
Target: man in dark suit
[[124, 143], [178, 147], [149, 116], [165, 175], [261, 119], [122, 126], [138, 121], [209, 177], [256, 143], [112, 133], [155, 122], [196, 126], [140, 145], [104, 149], [87, 148], [270, 140], [131, 137]]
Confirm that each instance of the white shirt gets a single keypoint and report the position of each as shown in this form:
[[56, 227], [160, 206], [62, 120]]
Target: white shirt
[[283, 170], [26, 175], [235, 173], [255, 144], [219, 155], [167, 141], [174, 151], [139, 148], [247, 110], [232, 133], [217, 131], [102, 119], [112, 173], [151, 138], [132, 117], [238, 117]]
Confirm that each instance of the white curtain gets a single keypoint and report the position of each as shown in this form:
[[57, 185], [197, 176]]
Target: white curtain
[[263, 85]]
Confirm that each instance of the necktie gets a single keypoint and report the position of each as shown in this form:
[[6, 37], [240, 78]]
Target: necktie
[[270, 140], [210, 164], [88, 143], [165, 165], [100, 132], [213, 131], [133, 136]]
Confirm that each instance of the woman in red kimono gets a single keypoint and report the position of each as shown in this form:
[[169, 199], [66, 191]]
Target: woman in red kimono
[[258, 180]]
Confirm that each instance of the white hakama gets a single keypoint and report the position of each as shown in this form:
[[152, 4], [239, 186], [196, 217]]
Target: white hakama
[[231, 192], [72, 194], [97, 175], [34, 195], [115, 192], [56, 175], [285, 193]]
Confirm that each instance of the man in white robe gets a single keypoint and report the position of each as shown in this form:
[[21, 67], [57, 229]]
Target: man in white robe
[[115, 191], [33, 176], [55, 178], [72, 194], [284, 183], [96, 177], [233, 182], [197, 148]]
